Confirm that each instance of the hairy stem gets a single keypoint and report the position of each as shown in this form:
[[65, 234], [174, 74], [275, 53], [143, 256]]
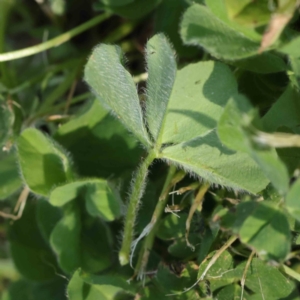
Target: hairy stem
[[136, 193], [55, 41], [148, 243]]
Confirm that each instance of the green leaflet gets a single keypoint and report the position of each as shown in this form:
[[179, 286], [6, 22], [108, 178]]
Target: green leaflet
[[32, 255], [198, 97], [266, 281], [85, 286], [9, 174], [115, 88], [197, 101], [201, 27], [81, 241], [100, 199], [234, 132], [262, 227], [249, 13], [47, 216], [161, 75], [99, 143], [285, 112], [292, 200], [264, 63], [219, 9], [291, 48], [208, 158], [23, 289], [43, 163]]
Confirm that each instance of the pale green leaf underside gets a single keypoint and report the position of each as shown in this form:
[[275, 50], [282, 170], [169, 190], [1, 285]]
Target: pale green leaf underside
[[114, 87], [99, 198], [161, 75], [43, 164], [198, 97], [201, 27], [206, 157]]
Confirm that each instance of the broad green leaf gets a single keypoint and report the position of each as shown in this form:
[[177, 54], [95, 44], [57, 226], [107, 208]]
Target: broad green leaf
[[47, 216], [201, 27], [85, 286], [233, 132], [99, 144], [32, 256], [161, 75], [219, 9], [284, 112], [197, 101], [114, 87], [176, 278], [9, 174], [264, 63], [232, 291], [30, 290], [100, 199], [264, 228], [44, 164], [81, 241], [113, 280], [291, 48], [65, 240], [198, 97], [267, 281], [249, 13], [66, 193], [234, 7], [208, 158], [6, 122], [293, 201], [79, 290]]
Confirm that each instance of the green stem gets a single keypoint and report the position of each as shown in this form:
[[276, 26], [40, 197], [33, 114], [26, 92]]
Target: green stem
[[135, 195], [161, 204], [55, 41]]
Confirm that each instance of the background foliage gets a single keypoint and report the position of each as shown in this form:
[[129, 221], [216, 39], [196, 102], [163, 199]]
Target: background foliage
[[149, 149]]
